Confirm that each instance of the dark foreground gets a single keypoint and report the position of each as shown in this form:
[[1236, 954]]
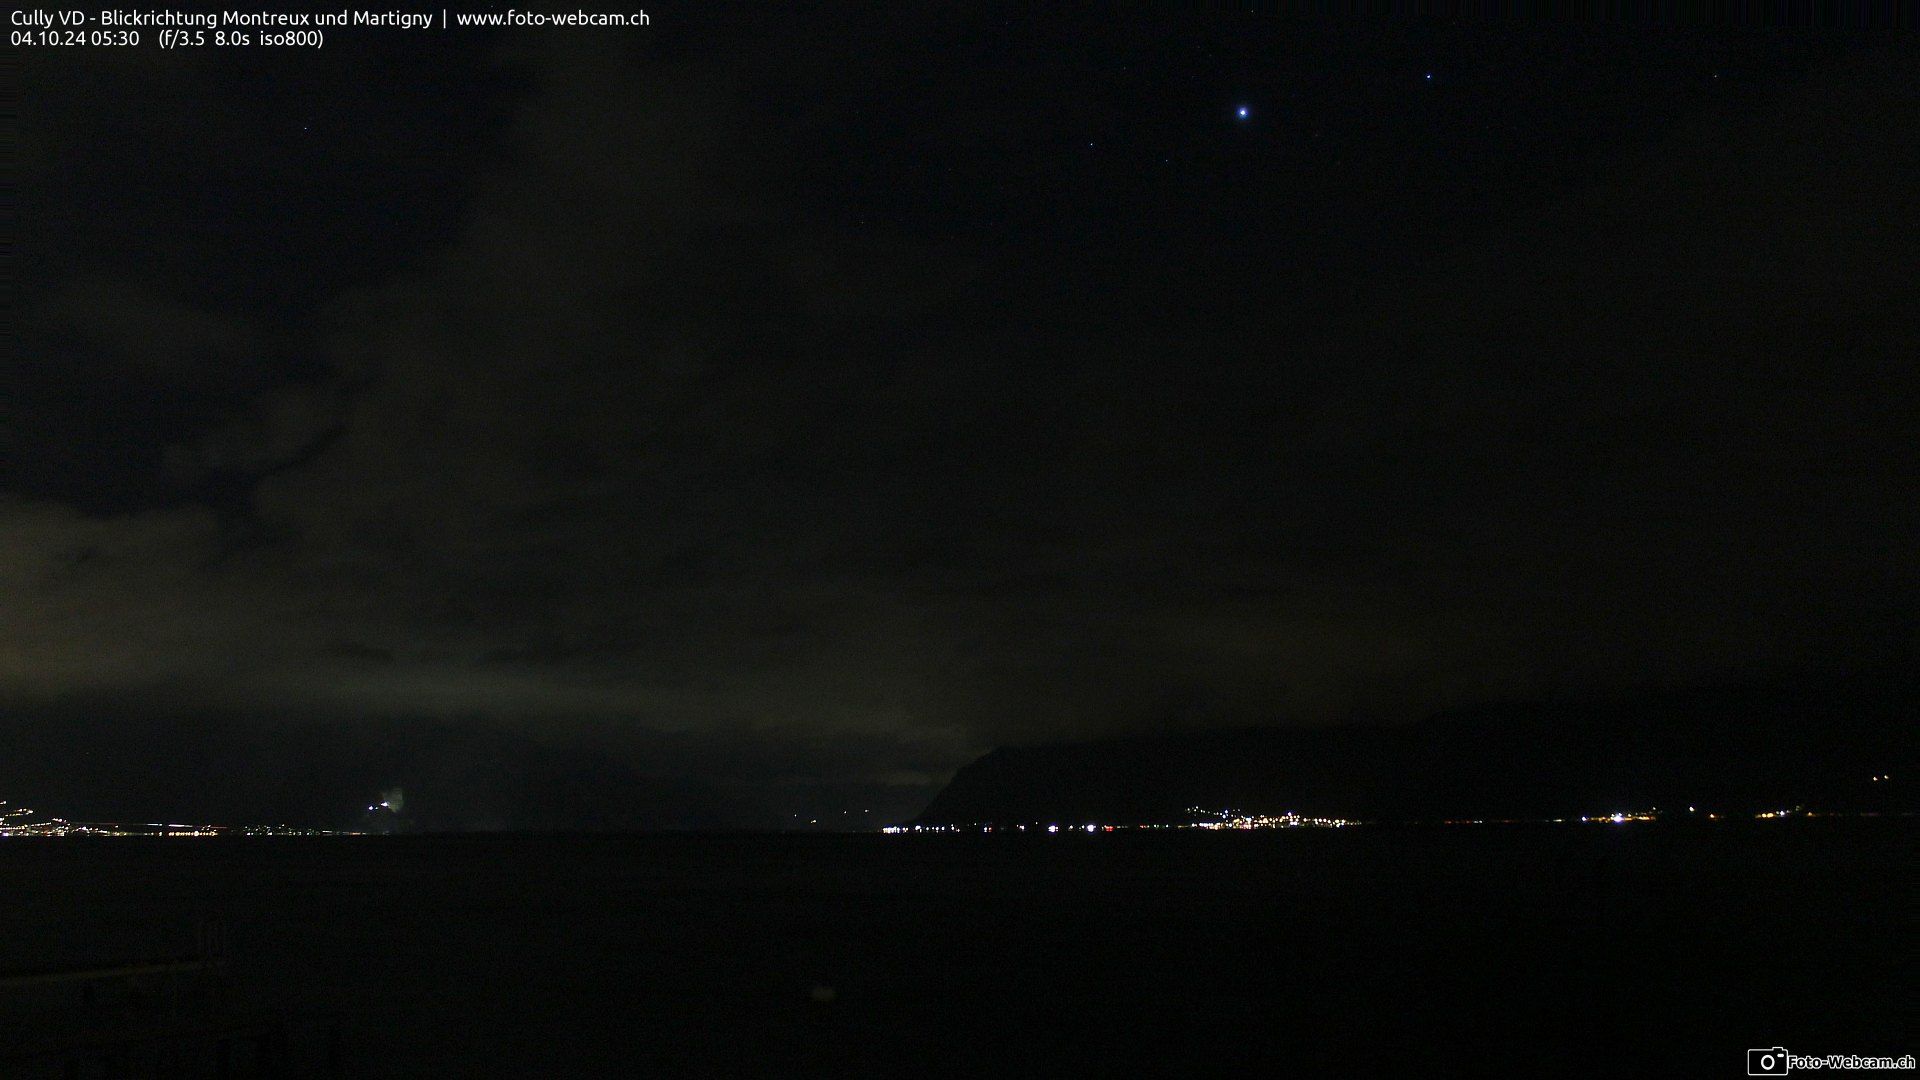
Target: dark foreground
[[1615, 951]]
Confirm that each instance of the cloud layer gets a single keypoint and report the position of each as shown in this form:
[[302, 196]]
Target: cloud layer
[[648, 449]]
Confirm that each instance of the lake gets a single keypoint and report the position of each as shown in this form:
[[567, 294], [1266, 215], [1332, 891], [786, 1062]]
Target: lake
[[1610, 950]]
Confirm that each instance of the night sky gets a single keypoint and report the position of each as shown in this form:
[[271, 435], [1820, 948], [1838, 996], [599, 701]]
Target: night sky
[[762, 414]]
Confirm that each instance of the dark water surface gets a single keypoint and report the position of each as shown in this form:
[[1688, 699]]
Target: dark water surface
[[1630, 950]]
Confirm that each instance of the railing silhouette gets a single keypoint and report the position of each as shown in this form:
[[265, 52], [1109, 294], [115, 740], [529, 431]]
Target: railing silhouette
[[156, 1016]]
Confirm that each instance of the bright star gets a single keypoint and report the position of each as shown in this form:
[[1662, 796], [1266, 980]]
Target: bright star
[[1243, 112]]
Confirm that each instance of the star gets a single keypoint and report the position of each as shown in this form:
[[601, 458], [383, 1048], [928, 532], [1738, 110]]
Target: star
[[1243, 112]]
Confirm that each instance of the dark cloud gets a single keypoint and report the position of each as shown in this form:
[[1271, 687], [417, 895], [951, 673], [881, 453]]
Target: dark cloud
[[706, 440], [144, 329]]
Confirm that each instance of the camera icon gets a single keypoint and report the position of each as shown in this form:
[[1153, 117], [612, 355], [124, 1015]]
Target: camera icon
[[1767, 1062]]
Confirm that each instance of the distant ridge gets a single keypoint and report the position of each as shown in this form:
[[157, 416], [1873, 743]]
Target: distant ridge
[[1737, 750]]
